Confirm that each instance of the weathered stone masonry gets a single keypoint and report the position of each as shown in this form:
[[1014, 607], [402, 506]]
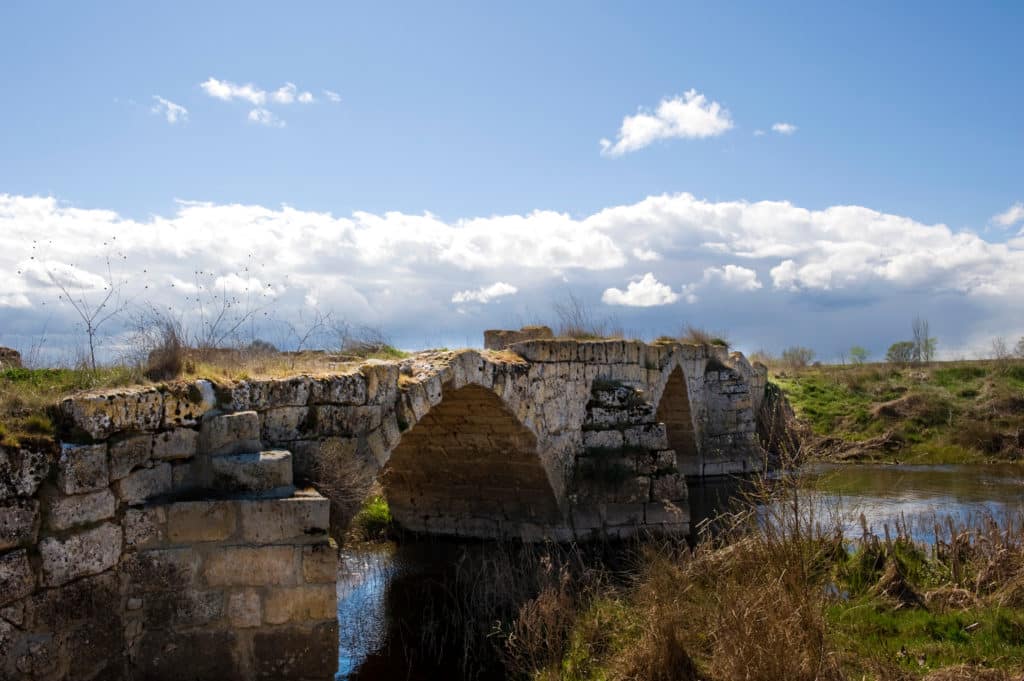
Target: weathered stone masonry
[[175, 528]]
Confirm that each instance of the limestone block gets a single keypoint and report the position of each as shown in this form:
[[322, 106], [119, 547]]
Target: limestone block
[[187, 608], [244, 609], [199, 521], [128, 454], [310, 603], [668, 487], [604, 439], [67, 512], [19, 522], [390, 431], [82, 468], [162, 656], [320, 563], [160, 570], [145, 483], [274, 651], [103, 415], [352, 421], [21, 471], [253, 472], [302, 517], [186, 476], [282, 424], [179, 443], [347, 389], [86, 553], [230, 433], [666, 513], [16, 577], [381, 381], [186, 405], [622, 514], [650, 436], [145, 526], [251, 566]]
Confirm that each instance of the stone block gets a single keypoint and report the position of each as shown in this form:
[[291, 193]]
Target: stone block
[[86, 553], [351, 421], [128, 454], [286, 392], [320, 563], [188, 608], [251, 566], [311, 603], [145, 526], [302, 517], [19, 522], [283, 424], [22, 471], [160, 570], [103, 415], [294, 652], [381, 381], [244, 609], [81, 509], [186, 405], [145, 483], [230, 433], [82, 468], [179, 443], [173, 656], [16, 577], [269, 471], [668, 487], [602, 439], [199, 521], [650, 436], [347, 389]]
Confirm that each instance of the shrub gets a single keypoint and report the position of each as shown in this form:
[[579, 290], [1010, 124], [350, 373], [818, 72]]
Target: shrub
[[797, 356], [901, 352]]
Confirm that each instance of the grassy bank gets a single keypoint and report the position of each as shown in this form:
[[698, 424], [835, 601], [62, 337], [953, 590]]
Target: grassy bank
[[790, 600], [944, 412]]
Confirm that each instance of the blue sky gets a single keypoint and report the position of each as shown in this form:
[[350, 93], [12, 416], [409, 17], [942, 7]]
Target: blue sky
[[468, 111]]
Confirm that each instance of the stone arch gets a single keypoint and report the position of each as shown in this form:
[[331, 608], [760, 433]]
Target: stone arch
[[468, 467], [675, 412]]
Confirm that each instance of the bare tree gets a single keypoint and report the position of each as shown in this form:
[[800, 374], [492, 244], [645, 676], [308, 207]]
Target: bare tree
[[93, 314], [1000, 350], [1019, 349], [924, 344]]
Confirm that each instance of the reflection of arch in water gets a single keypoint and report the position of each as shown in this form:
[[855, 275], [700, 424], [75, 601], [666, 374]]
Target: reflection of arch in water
[[469, 467], [674, 411]]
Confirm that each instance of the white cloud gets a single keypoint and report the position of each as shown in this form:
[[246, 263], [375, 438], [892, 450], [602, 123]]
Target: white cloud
[[332, 96], [265, 117], [646, 254], [733, 276], [485, 294], [285, 95], [690, 116], [306, 98], [397, 269], [784, 128], [226, 90], [758, 133], [169, 110], [645, 291], [1010, 216]]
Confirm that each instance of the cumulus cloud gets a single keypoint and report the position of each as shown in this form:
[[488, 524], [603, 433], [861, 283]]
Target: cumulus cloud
[[690, 116], [225, 90], [289, 93], [169, 110], [645, 291], [332, 96], [485, 294], [784, 128], [399, 270], [1010, 216]]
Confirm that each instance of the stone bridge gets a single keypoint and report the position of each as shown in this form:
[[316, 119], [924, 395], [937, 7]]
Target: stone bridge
[[179, 527]]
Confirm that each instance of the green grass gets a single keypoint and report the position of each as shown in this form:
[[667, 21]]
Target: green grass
[[373, 521], [946, 412]]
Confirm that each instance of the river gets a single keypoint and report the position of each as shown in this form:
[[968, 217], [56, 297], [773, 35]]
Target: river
[[378, 580]]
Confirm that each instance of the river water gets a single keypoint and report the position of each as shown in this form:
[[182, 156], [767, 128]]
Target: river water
[[375, 581]]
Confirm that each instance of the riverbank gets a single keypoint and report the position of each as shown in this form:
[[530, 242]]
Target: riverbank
[[943, 412]]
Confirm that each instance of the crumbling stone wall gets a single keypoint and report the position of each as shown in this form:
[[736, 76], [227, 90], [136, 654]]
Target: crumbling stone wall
[[9, 358], [499, 339]]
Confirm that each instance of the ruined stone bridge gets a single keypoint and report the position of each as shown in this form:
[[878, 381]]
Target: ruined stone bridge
[[184, 518]]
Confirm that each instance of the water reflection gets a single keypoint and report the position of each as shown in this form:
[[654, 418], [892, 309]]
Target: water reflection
[[385, 592]]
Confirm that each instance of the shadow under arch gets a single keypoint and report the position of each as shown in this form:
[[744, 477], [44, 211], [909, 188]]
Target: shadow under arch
[[674, 411], [469, 468]]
